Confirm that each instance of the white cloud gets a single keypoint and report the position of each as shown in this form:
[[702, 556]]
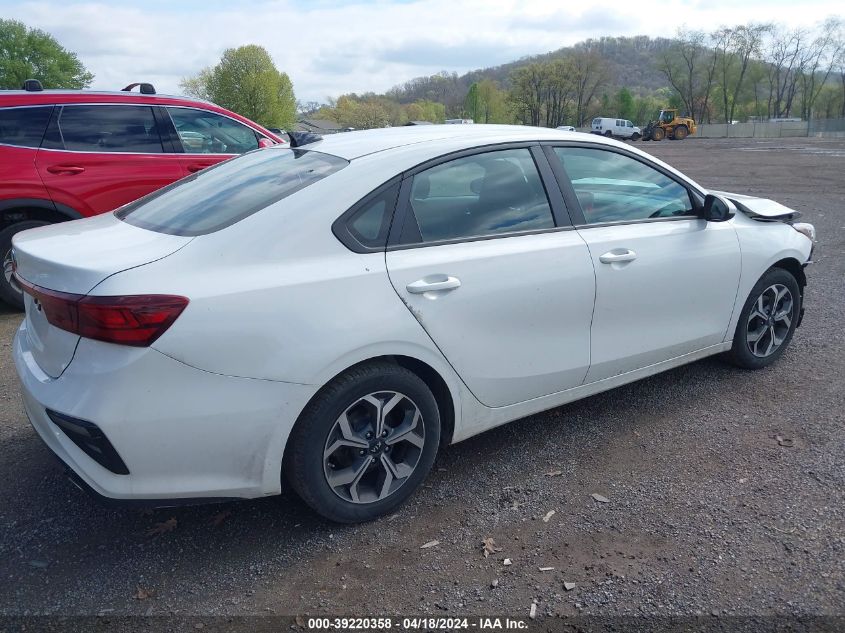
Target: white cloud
[[331, 48]]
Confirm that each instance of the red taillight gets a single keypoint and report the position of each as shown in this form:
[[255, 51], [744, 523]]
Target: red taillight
[[135, 320]]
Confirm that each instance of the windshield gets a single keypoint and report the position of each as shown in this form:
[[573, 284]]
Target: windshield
[[222, 195]]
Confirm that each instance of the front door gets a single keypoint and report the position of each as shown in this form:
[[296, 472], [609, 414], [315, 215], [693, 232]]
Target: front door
[[505, 295], [208, 138], [666, 280]]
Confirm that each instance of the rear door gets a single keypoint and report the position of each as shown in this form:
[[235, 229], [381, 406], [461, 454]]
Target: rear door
[[666, 280], [488, 263], [95, 158], [206, 138]]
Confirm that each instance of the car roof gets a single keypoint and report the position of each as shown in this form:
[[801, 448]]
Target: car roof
[[352, 145], [386, 152], [31, 97]]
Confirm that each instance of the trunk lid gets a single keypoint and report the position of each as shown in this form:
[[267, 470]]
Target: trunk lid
[[73, 257]]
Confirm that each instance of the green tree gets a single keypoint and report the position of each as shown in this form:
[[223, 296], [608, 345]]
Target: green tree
[[625, 108], [529, 85], [493, 103], [353, 112], [425, 110], [247, 81], [33, 54], [472, 103]]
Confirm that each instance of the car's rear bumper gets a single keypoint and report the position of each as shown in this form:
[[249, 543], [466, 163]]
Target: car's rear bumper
[[182, 433]]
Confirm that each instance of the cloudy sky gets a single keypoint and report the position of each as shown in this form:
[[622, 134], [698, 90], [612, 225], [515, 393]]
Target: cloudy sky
[[329, 48]]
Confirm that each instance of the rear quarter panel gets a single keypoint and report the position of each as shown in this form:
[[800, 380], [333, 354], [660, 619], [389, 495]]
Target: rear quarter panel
[[277, 296]]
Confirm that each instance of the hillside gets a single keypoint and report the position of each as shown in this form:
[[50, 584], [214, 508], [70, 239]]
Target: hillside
[[752, 71], [632, 63]]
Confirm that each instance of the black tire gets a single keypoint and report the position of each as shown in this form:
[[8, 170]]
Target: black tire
[[658, 134], [635, 137], [741, 353], [681, 132], [304, 466], [608, 134], [9, 290]]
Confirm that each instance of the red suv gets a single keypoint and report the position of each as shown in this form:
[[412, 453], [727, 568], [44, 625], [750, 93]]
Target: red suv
[[68, 154]]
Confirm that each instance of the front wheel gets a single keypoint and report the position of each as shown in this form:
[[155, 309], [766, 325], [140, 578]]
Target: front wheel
[[10, 291], [767, 321], [364, 444]]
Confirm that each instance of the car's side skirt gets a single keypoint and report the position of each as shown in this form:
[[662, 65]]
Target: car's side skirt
[[477, 418]]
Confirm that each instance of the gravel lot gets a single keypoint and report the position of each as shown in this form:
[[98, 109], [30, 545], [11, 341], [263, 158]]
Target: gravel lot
[[707, 513]]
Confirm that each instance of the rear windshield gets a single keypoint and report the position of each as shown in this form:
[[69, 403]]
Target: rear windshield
[[222, 195]]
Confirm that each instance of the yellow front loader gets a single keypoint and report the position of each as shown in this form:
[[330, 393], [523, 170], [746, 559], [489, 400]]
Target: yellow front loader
[[669, 125]]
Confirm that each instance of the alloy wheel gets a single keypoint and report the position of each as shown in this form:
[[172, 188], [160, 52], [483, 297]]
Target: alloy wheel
[[374, 447], [769, 321]]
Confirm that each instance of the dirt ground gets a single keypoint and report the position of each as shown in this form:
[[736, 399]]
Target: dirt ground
[[707, 512]]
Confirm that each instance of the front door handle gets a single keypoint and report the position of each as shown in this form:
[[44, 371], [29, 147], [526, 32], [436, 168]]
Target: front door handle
[[65, 169], [433, 283], [618, 255]]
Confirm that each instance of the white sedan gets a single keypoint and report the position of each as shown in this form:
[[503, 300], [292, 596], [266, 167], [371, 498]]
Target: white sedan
[[329, 315]]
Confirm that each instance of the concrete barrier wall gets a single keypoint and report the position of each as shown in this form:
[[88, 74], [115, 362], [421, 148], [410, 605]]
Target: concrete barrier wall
[[781, 129], [754, 130]]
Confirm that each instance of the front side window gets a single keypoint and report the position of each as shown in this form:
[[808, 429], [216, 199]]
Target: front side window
[[105, 128], [613, 187], [24, 127], [484, 194], [203, 132], [222, 195]]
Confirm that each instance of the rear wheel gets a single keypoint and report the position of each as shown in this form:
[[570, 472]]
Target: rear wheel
[[767, 321], [10, 291], [608, 134], [364, 444], [681, 132], [658, 134]]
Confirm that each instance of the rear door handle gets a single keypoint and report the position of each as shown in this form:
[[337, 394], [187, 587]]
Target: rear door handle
[[618, 255], [197, 167], [65, 169], [432, 283]]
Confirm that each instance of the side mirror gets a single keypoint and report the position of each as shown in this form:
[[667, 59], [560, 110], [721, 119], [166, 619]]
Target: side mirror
[[265, 142], [716, 209]]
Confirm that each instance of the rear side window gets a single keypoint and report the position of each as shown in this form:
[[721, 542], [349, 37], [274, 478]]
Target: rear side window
[[105, 128], [222, 195], [368, 222], [24, 127], [483, 194]]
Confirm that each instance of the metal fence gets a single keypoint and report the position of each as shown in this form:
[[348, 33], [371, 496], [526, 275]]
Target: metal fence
[[774, 129]]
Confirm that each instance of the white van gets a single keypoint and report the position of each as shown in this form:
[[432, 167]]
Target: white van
[[621, 128]]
